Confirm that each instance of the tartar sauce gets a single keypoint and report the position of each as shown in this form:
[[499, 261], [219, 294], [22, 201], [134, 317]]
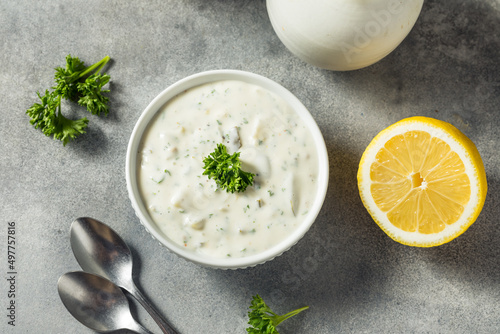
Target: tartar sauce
[[274, 144]]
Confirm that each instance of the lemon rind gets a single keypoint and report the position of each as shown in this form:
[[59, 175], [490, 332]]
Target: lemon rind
[[459, 143]]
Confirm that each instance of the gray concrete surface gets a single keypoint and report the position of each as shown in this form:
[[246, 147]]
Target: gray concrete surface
[[354, 278]]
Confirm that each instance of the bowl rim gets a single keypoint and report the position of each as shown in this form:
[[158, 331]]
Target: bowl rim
[[206, 77]]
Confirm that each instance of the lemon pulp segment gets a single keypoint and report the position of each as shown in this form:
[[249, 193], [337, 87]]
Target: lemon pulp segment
[[419, 182]]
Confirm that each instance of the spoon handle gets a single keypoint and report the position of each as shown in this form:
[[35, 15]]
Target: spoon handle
[[162, 323], [141, 330]]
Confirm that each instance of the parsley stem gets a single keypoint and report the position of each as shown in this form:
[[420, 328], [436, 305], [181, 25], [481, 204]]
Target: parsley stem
[[97, 67], [280, 318]]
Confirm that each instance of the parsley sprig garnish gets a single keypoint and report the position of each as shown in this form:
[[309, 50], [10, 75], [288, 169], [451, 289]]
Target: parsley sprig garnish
[[225, 169], [78, 83], [263, 320]]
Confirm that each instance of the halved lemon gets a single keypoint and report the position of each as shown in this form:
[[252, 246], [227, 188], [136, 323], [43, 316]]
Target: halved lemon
[[422, 181]]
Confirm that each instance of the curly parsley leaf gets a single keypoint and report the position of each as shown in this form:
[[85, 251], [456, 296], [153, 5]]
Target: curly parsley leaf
[[43, 114], [66, 78], [69, 79], [91, 94], [225, 169], [75, 82], [68, 129], [47, 116], [263, 320]]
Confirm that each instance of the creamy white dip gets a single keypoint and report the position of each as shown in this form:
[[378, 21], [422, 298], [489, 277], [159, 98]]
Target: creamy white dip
[[274, 144]]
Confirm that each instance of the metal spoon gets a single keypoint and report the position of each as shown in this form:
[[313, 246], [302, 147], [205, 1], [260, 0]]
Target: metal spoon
[[100, 250], [97, 303]]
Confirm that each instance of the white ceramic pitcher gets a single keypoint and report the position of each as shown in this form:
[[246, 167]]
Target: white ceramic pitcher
[[342, 35]]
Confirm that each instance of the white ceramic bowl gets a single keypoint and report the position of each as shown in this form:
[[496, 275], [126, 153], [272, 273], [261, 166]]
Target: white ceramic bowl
[[196, 80]]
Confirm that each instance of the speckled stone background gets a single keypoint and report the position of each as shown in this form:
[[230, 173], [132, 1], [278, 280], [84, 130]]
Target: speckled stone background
[[354, 278]]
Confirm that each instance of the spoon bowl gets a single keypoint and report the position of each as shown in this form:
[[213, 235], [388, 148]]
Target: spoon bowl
[[100, 250], [97, 303]]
